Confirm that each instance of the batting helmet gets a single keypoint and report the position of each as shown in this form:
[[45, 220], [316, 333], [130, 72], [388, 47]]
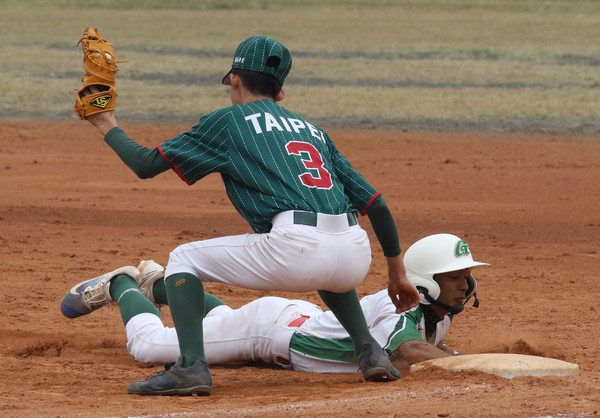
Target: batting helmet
[[439, 253]]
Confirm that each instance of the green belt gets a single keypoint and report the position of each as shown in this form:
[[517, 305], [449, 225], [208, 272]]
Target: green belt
[[310, 218]]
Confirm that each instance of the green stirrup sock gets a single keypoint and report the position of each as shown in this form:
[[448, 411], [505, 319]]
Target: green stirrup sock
[[211, 302], [186, 301], [347, 310], [159, 290], [124, 290]]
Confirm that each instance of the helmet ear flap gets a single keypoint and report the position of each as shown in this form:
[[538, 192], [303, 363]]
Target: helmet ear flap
[[424, 286]]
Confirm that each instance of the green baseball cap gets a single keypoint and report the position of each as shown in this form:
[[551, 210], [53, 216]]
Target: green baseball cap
[[263, 55]]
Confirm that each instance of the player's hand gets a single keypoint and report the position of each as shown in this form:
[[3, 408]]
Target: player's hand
[[403, 293], [104, 121]]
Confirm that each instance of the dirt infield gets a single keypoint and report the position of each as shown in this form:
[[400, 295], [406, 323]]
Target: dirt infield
[[70, 210]]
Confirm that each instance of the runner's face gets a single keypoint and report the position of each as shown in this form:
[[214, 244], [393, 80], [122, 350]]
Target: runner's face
[[453, 286]]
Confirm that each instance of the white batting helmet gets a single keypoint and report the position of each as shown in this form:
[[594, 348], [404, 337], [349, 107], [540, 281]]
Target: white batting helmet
[[439, 253]]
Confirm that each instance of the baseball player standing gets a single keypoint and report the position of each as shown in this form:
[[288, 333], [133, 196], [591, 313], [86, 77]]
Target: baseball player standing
[[300, 195]]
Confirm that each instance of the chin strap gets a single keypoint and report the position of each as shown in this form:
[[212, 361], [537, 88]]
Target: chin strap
[[476, 301], [456, 309]]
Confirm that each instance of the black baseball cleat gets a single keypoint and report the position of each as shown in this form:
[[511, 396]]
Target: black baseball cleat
[[376, 365], [176, 380]]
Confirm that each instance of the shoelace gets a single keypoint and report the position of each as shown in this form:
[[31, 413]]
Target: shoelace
[[167, 367], [94, 295]]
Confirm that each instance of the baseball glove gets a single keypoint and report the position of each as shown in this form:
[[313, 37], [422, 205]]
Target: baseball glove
[[100, 71]]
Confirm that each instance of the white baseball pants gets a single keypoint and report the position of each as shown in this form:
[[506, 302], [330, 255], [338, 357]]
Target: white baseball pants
[[291, 257]]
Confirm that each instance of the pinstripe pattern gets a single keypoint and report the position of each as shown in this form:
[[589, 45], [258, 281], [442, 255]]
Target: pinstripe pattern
[[253, 53], [247, 145]]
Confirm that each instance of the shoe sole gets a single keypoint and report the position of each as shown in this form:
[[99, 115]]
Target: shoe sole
[[200, 390], [69, 312], [379, 374]]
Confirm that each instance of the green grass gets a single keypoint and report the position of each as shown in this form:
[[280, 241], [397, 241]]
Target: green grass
[[522, 6], [450, 63]]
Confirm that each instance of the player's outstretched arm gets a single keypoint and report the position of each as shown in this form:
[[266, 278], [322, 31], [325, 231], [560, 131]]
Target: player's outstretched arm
[[144, 162], [402, 292], [415, 351]]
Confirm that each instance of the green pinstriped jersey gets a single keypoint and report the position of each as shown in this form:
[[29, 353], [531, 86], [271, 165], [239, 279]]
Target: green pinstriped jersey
[[271, 160]]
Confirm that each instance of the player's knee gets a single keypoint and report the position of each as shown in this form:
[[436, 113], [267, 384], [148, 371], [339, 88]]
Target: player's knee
[[148, 340], [141, 353], [147, 350], [177, 261]]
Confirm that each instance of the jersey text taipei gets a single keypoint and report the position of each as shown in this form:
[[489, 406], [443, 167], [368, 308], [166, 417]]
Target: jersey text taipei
[[271, 160]]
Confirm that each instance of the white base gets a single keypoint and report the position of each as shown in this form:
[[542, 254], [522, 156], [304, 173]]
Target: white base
[[503, 365]]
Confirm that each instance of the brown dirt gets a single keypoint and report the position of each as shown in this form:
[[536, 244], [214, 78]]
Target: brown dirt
[[70, 210]]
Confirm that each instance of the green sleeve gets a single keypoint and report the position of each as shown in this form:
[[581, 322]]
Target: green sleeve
[[144, 162], [406, 329], [384, 227]]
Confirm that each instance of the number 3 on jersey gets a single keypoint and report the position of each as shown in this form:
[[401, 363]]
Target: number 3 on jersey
[[311, 158]]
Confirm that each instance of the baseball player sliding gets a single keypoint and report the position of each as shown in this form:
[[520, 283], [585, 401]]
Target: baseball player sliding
[[296, 334], [300, 195]]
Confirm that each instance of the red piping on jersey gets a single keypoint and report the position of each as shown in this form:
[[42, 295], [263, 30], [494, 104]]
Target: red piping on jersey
[[298, 321], [371, 200], [175, 168], [294, 324]]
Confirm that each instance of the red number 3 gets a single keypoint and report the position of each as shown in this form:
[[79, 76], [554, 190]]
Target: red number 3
[[312, 162]]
